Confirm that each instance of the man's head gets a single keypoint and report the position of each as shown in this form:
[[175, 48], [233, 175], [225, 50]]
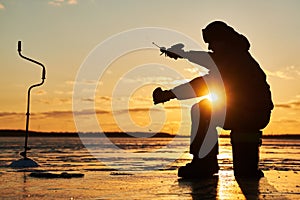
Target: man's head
[[221, 36], [216, 31]]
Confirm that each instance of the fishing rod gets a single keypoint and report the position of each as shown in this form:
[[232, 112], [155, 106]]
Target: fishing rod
[[24, 153], [163, 50], [169, 53]]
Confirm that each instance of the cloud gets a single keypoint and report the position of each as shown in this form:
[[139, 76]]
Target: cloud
[[10, 114], [69, 82], [83, 82], [125, 111], [176, 107], [147, 79], [86, 112], [40, 92], [54, 101], [87, 99], [288, 73], [62, 2], [278, 74], [72, 2], [69, 113], [140, 100], [59, 92], [290, 121], [290, 104], [179, 82], [2, 7], [196, 71], [104, 101], [56, 2], [137, 110], [53, 114]]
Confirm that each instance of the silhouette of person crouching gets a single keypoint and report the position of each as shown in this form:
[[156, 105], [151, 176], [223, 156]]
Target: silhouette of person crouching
[[248, 101]]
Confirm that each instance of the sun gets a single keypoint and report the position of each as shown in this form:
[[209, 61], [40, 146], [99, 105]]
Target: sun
[[212, 97]]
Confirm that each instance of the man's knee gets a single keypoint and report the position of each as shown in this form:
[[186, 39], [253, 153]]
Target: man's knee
[[202, 106], [246, 137]]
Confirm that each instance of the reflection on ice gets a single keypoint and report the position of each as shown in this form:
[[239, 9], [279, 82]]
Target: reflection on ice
[[137, 153], [131, 175]]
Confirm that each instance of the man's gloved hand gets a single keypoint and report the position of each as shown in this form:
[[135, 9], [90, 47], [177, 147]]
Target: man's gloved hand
[[161, 96], [174, 51]]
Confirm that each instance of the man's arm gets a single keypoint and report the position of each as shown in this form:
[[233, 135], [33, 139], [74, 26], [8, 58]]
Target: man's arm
[[195, 88], [201, 58]]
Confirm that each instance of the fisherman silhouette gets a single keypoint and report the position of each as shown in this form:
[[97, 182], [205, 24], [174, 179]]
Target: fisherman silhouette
[[248, 101]]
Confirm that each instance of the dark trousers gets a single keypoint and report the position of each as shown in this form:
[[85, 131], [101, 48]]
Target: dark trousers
[[245, 135]]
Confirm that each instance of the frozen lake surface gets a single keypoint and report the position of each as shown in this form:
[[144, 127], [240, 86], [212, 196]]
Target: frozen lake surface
[[141, 168]]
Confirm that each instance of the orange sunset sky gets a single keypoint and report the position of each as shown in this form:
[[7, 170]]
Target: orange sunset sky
[[62, 33]]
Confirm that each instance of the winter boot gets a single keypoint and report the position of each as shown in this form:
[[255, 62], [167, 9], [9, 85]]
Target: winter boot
[[245, 151], [201, 167]]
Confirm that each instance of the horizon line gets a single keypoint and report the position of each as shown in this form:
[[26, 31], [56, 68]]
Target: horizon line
[[14, 131]]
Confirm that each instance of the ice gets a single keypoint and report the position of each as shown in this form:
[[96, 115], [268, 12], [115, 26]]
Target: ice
[[153, 176]]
